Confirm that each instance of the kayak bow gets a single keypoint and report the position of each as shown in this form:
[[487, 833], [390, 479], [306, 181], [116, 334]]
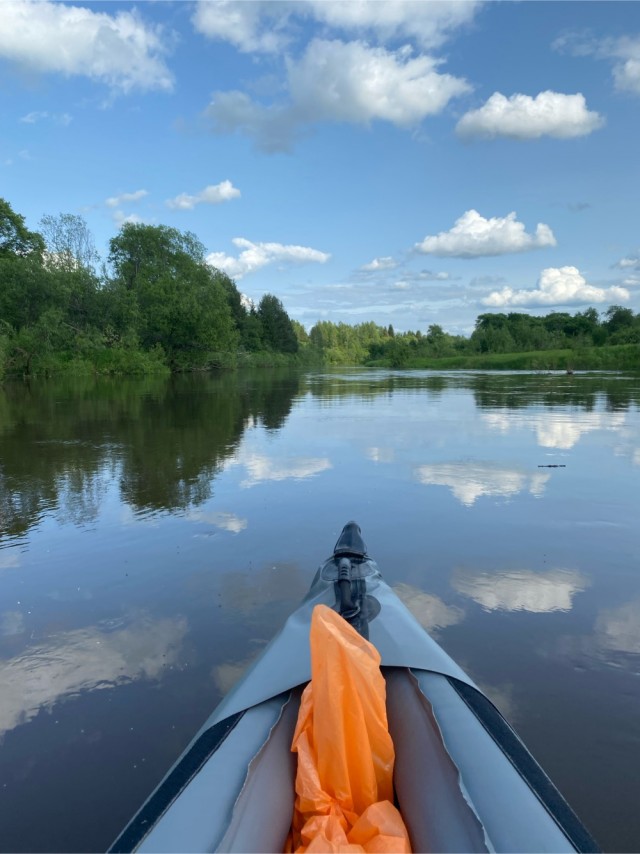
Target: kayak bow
[[464, 781]]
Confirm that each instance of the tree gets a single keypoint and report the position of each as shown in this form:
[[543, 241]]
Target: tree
[[166, 294], [69, 242], [15, 237], [277, 330]]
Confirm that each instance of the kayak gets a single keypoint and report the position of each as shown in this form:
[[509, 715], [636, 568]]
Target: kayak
[[463, 779]]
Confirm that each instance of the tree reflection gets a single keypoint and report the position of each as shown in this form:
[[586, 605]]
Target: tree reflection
[[163, 440]]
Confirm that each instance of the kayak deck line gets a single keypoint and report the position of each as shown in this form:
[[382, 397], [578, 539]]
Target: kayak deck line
[[463, 779]]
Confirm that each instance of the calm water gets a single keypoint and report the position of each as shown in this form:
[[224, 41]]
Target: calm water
[[154, 535]]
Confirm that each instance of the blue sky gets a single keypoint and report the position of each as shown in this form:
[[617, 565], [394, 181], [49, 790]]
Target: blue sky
[[404, 162]]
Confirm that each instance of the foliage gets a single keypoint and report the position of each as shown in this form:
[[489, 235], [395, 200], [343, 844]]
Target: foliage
[[159, 306]]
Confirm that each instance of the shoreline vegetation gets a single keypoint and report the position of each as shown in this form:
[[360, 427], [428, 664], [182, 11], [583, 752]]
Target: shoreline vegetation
[[157, 307]]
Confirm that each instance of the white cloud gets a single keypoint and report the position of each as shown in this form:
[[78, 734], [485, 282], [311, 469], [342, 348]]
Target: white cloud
[[121, 218], [117, 49], [353, 82], [429, 610], [623, 51], [523, 117], [473, 236], [336, 81], [116, 201], [631, 262], [257, 255], [522, 590], [386, 263], [469, 481], [380, 455], [32, 118], [214, 194], [557, 286], [626, 69], [268, 26]]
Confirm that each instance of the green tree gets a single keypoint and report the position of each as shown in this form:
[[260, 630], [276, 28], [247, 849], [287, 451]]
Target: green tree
[[15, 237], [277, 329], [171, 298]]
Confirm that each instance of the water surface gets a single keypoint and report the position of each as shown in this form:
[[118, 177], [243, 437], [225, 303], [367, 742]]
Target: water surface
[[155, 534]]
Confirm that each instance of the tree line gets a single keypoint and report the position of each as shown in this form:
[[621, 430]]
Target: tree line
[[155, 306]]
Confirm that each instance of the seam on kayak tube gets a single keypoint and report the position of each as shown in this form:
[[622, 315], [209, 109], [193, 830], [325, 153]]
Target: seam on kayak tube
[[527, 767]]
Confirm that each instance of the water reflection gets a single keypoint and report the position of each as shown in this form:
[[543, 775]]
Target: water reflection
[[429, 610], [618, 629], [261, 468], [162, 441], [468, 481], [11, 623], [224, 521], [521, 590], [69, 663], [560, 430]]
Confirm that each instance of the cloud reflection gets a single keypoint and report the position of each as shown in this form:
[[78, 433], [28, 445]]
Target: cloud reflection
[[85, 660], [560, 430], [522, 590], [261, 468], [11, 623], [469, 481], [430, 611], [380, 455], [618, 629], [225, 521], [9, 560]]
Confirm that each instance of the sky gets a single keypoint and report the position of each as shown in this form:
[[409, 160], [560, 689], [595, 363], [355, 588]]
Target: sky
[[405, 162]]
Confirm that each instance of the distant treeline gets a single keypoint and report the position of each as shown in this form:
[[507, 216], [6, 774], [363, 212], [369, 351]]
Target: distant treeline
[[156, 306], [509, 341]]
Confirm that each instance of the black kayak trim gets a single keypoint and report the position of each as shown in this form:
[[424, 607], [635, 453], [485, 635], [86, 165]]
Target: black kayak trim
[[525, 764], [188, 766]]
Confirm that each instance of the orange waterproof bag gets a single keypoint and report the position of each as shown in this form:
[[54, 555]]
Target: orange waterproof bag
[[344, 782]]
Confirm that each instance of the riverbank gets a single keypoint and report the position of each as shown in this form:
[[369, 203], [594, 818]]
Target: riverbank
[[622, 357]]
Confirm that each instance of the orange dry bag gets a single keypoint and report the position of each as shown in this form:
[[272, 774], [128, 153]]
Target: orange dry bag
[[344, 782]]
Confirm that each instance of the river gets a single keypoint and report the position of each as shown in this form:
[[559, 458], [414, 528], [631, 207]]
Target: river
[[155, 534]]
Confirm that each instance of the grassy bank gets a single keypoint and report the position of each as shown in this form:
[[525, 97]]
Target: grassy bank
[[622, 357]]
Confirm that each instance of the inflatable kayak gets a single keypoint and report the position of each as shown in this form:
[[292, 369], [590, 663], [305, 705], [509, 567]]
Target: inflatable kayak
[[463, 779]]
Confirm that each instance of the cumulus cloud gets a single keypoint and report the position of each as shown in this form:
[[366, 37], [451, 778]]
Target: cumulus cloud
[[116, 201], [386, 263], [256, 255], [523, 117], [522, 590], [269, 25], [335, 81], [214, 194], [469, 481], [557, 286], [473, 236], [117, 49]]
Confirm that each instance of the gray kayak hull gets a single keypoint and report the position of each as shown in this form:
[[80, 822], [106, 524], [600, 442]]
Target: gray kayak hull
[[464, 780]]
